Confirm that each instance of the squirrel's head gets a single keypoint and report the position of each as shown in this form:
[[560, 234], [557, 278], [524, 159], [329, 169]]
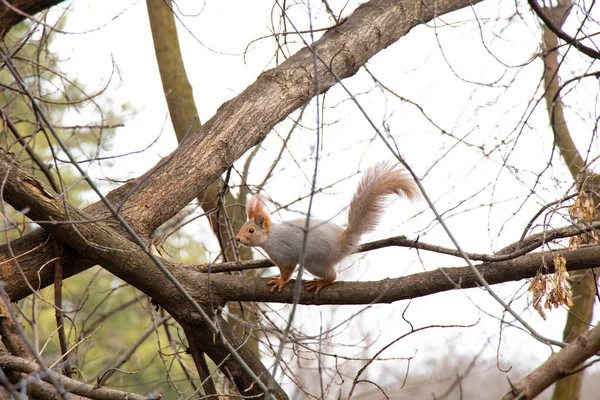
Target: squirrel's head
[[256, 230]]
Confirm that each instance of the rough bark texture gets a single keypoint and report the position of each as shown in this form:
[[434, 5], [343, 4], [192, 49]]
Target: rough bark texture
[[185, 119], [13, 363], [10, 335], [14, 11], [557, 366], [124, 259], [150, 200], [240, 124], [407, 287]]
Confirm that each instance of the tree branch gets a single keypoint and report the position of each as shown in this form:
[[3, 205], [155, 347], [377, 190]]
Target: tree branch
[[150, 200], [588, 51], [245, 120], [197, 352], [516, 249], [14, 11], [126, 260], [10, 335], [558, 366], [19, 364], [403, 288]]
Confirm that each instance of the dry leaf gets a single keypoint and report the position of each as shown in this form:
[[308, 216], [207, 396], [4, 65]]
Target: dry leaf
[[554, 288]]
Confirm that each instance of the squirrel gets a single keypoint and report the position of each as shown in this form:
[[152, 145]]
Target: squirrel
[[327, 243]]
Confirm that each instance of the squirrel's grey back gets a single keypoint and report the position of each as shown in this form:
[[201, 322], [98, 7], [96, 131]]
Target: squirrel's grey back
[[322, 240]]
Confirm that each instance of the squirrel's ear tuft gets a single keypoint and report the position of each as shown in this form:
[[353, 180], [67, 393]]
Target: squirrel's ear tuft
[[255, 205], [257, 211]]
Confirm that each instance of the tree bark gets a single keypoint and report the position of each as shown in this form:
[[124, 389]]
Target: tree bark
[[153, 198], [177, 88], [559, 365], [12, 363], [124, 259], [127, 261], [184, 116], [150, 200], [14, 11]]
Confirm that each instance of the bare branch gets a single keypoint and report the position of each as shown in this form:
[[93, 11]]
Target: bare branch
[[554, 27], [125, 260], [558, 366], [150, 200], [407, 287], [29, 367]]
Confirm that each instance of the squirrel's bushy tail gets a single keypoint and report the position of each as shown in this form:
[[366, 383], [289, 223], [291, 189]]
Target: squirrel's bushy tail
[[366, 206]]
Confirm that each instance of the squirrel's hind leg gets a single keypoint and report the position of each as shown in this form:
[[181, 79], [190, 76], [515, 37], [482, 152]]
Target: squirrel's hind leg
[[324, 273], [322, 281], [318, 284], [279, 282]]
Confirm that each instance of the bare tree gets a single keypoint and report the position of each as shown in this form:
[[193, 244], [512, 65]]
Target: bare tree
[[195, 304]]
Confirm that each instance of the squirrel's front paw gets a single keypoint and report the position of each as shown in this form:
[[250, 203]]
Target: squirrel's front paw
[[277, 282]]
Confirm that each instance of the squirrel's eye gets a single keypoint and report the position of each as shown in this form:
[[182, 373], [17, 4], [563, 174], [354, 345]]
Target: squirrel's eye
[[251, 230]]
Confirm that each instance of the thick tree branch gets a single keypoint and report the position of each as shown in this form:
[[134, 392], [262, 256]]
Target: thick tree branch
[[13, 363], [176, 86], [184, 116], [14, 11], [407, 287], [583, 283], [10, 335], [554, 104], [509, 252], [240, 124], [125, 260], [558, 366], [122, 258], [245, 120]]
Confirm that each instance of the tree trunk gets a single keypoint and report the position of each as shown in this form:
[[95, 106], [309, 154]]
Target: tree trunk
[[583, 283], [185, 119]]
